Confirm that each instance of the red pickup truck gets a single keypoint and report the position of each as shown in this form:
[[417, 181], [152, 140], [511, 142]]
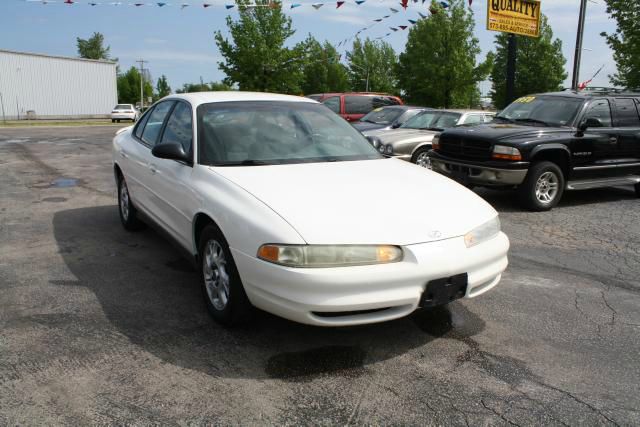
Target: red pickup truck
[[353, 106]]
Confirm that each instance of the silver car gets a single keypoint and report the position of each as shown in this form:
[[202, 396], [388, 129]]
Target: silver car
[[412, 140]]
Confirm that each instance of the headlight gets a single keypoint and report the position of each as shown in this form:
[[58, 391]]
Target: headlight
[[506, 153], [388, 149], [435, 142], [484, 232], [329, 256], [381, 148]]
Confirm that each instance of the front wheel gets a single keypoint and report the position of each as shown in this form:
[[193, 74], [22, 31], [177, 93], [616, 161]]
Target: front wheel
[[222, 288], [543, 187], [421, 157], [128, 212]]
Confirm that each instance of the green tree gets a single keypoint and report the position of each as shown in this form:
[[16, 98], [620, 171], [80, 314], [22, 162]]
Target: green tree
[[204, 87], [93, 47], [129, 87], [438, 67], [322, 71], [256, 57], [625, 42], [372, 62], [162, 87], [539, 65]]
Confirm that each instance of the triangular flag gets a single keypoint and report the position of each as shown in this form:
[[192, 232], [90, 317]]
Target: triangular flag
[[183, 5], [161, 4], [412, 21], [387, 35], [470, 3], [338, 4], [138, 4], [294, 5], [377, 20], [69, 1], [386, 16], [404, 4], [393, 28], [402, 27], [317, 6], [92, 4], [227, 6], [359, 2], [205, 5], [422, 15], [444, 4], [393, 10]]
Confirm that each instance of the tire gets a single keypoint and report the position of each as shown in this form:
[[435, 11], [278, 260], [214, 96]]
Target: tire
[[227, 301], [128, 212], [543, 187], [113, 121], [420, 157]]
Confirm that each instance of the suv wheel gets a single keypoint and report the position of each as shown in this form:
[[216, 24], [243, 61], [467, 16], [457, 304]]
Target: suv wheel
[[128, 213], [543, 187], [421, 157], [222, 288]]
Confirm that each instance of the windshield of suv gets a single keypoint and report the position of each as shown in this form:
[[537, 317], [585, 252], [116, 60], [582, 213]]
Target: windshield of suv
[[432, 120], [383, 116], [542, 110], [251, 133]]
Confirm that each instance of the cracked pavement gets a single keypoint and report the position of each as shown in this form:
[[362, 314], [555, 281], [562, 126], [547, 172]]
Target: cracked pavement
[[100, 326]]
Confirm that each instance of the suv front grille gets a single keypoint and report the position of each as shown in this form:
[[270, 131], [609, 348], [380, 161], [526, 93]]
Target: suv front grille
[[465, 148]]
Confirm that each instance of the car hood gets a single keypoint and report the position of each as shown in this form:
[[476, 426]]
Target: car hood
[[407, 135], [500, 131], [384, 201], [364, 126]]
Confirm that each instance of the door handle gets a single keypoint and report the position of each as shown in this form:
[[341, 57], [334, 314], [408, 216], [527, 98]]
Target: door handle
[[153, 168]]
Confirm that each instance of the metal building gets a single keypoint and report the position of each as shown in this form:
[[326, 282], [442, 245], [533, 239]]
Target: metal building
[[48, 87]]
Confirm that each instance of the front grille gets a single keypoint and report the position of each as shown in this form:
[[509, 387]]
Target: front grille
[[465, 148]]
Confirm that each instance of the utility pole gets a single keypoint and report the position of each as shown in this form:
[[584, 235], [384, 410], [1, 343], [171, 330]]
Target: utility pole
[[511, 68], [141, 62], [578, 55]]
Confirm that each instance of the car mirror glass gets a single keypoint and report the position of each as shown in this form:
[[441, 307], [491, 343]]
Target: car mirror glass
[[170, 150]]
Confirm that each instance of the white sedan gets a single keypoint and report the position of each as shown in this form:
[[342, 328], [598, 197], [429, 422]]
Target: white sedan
[[124, 112], [286, 207]]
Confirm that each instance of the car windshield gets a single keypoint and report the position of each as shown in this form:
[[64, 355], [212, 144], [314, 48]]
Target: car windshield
[[251, 133], [433, 120], [542, 110], [383, 116], [123, 107]]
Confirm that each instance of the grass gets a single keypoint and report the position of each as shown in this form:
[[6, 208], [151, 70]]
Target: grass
[[36, 123]]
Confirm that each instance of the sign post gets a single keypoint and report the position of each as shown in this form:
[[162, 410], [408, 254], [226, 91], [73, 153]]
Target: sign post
[[514, 17]]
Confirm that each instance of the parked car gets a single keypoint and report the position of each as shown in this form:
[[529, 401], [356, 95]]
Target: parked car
[[246, 184], [353, 106], [124, 112], [548, 143], [386, 118], [412, 140]]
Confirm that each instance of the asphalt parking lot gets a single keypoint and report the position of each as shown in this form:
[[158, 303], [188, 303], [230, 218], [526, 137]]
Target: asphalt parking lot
[[100, 326]]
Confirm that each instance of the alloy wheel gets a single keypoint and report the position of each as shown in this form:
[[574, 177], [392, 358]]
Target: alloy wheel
[[216, 278], [423, 160], [124, 200], [547, 187]]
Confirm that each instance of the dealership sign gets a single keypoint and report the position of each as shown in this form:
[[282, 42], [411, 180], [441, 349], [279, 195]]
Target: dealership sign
[[514, 16]]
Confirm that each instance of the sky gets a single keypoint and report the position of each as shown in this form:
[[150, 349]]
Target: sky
[[179, 42]]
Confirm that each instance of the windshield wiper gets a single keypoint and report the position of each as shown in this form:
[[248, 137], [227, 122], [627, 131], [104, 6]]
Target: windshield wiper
[[435, 129], [244, 163], [533, 121]]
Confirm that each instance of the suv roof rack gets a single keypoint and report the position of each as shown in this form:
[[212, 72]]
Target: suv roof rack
[[594, 90]]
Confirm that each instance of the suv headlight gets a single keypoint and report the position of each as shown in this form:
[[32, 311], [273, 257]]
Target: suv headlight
[[503, 152], [329, 256], [482, 233], [435, 142]]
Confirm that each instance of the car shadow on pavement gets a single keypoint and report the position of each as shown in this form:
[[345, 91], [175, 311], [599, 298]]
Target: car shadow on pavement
[[152, 296], [507, 200]]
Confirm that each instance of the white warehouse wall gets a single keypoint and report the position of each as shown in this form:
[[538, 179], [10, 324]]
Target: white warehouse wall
[[55, 87]]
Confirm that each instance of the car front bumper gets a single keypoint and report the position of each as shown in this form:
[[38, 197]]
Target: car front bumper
[[473, 173], [369, 294]]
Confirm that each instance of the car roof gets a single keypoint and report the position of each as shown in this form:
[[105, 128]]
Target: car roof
[[198, 98]]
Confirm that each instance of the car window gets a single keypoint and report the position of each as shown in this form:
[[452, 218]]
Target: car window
[[155, 121], [472, 119], [382, 116], [248, 133], [123, 107], [549, 110], [179, 127], [488, 118], [627, 113], [381, 101], [600, 110], [407, 115], [333, 104], [420, 121], [359, 104], [143, 121]]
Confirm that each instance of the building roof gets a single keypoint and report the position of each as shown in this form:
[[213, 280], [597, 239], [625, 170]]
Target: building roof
[[101, 61]]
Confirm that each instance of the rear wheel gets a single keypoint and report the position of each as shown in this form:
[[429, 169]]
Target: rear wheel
[[128, 212], [543, 187], [222, 288], [421, 157]]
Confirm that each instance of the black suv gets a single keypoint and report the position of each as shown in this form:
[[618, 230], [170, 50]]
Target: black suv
[[545, 144]]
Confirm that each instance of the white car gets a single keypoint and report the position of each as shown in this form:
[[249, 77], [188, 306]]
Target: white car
[[286, 207], [124, 112]]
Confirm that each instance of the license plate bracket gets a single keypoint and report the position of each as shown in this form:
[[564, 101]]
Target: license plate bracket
[[445, 290]]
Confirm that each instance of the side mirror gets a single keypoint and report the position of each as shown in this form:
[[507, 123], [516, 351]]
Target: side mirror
[[172, 151], [396, 125], [591, 122]]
